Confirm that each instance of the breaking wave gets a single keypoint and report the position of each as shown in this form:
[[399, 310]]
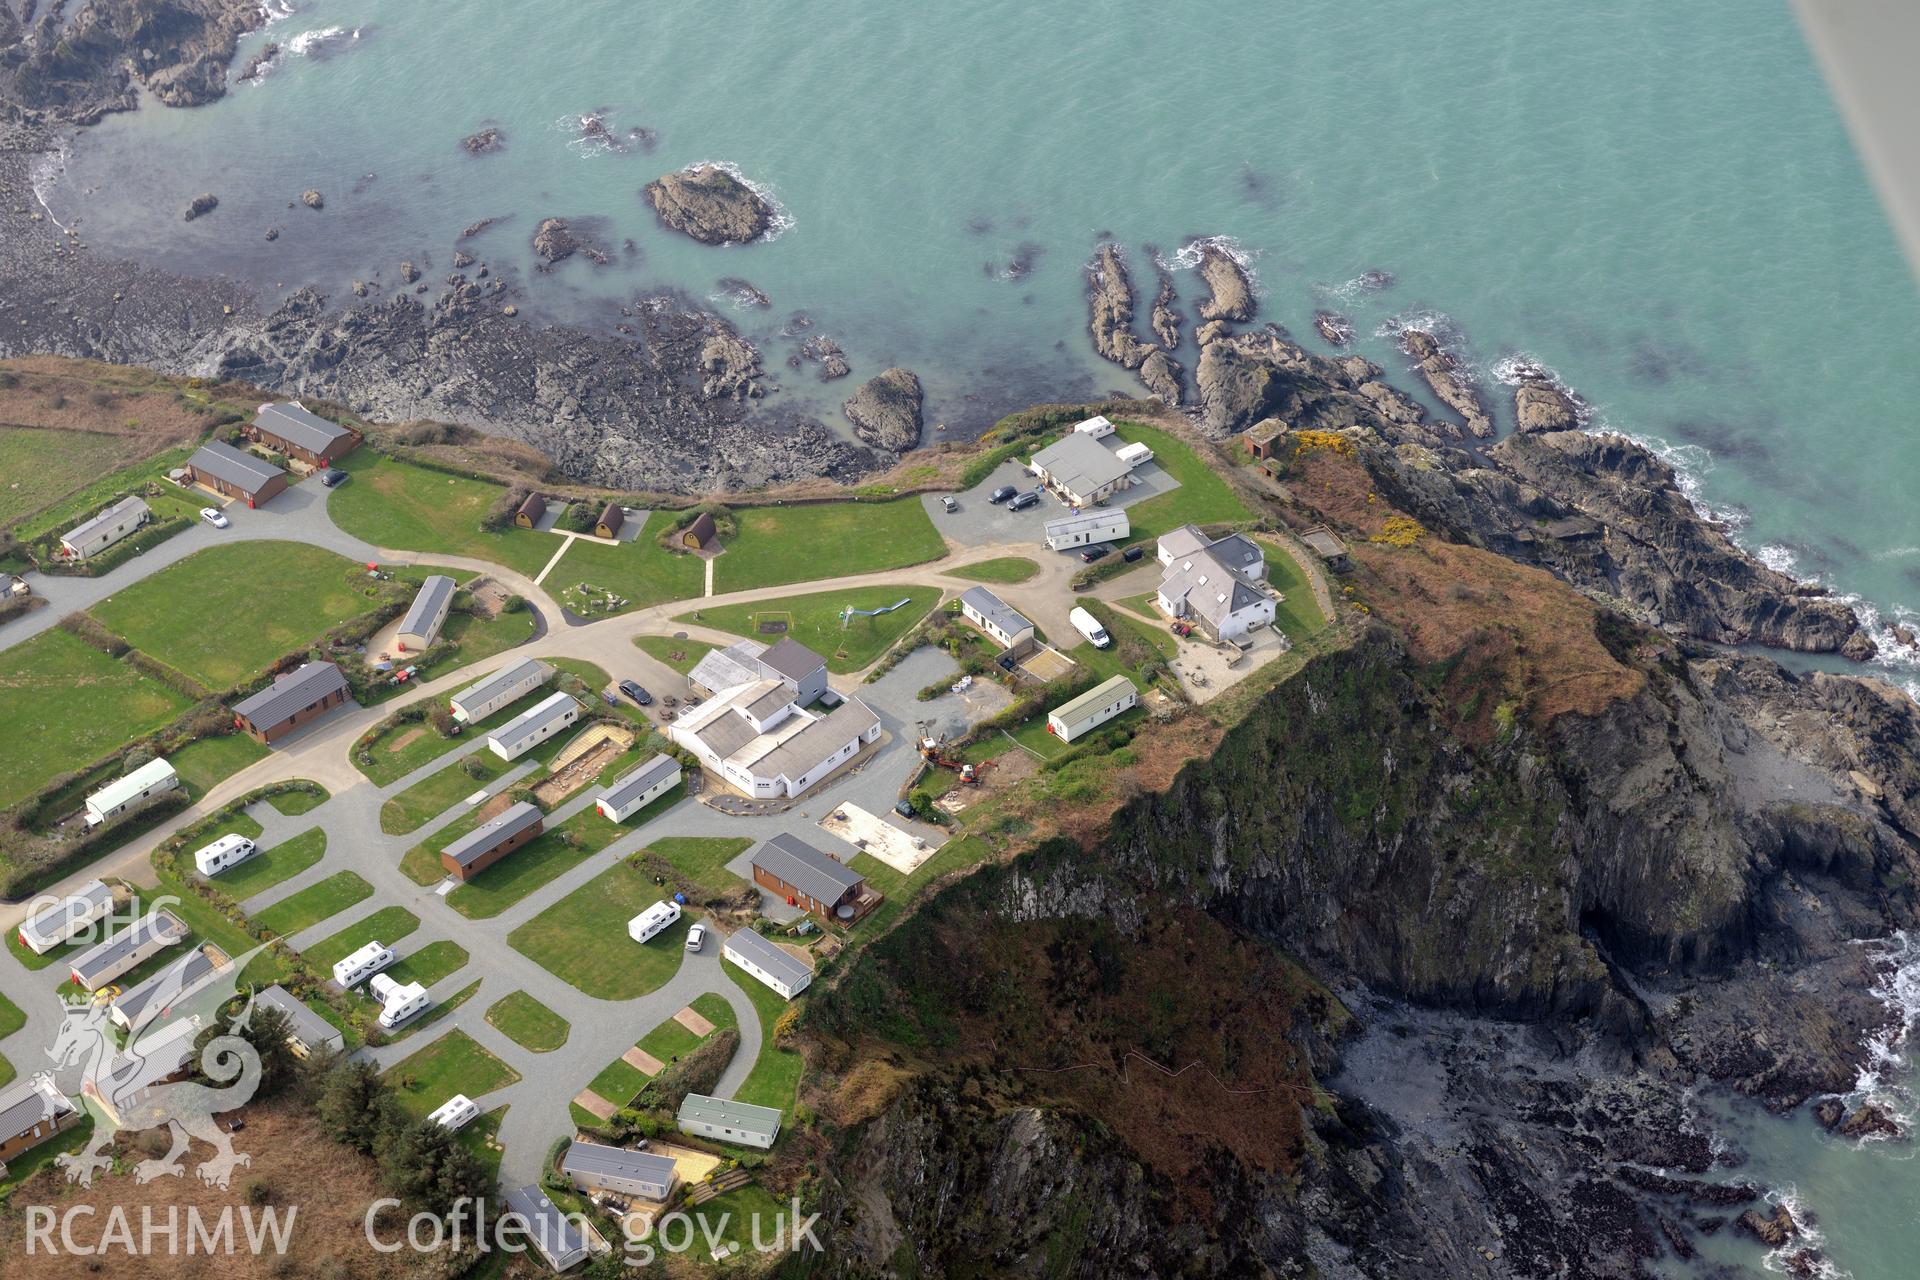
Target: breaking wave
[[781, 220], [1803, 1252], [1189, 255], [45, 173]]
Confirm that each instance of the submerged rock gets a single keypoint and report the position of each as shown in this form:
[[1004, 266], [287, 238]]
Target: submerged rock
[[313, 199], [711, 205], [204, 203], [1335, 328], [556, 240], [885, 410], [409, 272], [485, 142], [260, 61]]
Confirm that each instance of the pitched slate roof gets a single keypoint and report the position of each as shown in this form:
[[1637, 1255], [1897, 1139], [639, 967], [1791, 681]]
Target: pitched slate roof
[[434, 593], [1239, 553], [1080, 464], [218, 458], [591, 1158], [768, 957], [496, 685], [812, 872], [995, 610], [294, 424], [637, 783], [791, 659], [81, 531], [294, 691], [1209, 587], [1184, 541], [502, 827]]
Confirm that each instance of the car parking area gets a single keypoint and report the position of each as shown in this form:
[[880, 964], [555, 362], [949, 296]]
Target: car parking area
[[980, 523]]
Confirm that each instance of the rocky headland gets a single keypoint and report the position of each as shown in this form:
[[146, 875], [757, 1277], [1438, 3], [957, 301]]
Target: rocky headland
[[885, 410], [74, 63], [711, 205], [1110, 320]]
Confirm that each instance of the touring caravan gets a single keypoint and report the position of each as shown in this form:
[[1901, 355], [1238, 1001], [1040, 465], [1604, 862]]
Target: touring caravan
[[1089, 626], [227, 851], [647, 925], [397, 1002], [362, 964], [455, 1113]]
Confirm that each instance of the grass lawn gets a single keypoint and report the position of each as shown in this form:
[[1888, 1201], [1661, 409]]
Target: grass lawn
[[681, 655], [481, 1138], [528, 1023], [546, 856], [730, 1216], [11, 1020], [641, 571], [387, 926], [63, 477], [28, 1163], [295, 803], [430, 963], [1135, 643], [270, 866], [435, 1012], [1299, 613], [814, 620], [701, 859], [455, 1063], [794, 544], [31, 960], [288, 593], [402, 507], [776, 1073], [583, 937], [314, 903], [618, 1081], [67, 703], [479, 639], [434, 794], [399, 749], [1005, 569], [1202, 498], [206, 761]]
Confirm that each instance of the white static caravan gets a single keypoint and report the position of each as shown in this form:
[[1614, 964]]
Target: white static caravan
[[124, 795], [1093, 708], [548, 717], [362, 964], [1134, 454], [1097, 427], [634, 791], [1096, 524], [470, 706], [227, 851], [53, 925], [105, 529], [646, 926], [455, 1113], [767, 962], [397, 1003]]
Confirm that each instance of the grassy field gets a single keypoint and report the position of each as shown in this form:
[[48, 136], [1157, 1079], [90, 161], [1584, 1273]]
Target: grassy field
[[642, 571], [434, 794], [528, 1023], [814, 620], [681, 655], [11, 1020], [583, 937], [295, 803], [67, 703], [206, 761], [387, 926], [776, 1072], [619, 1081], [1202, 498], [777, 545], [455, 1063], [430, 963], [400, 750], [402, 507], [1004, 569], [480, 639], [314, 903], [701, 859], [549, 854], [287, 592], [270, 866], [61, 477], [1299, 613]]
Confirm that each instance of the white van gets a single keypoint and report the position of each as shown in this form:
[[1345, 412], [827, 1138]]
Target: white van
[[362, 964], [227, 851], [455, 1113], [1089, 626], [648, 924], [398, 1003]]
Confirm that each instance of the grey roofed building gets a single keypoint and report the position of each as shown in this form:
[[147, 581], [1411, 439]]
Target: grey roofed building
[[1081, 465], [218, 458], [112, 515], [771, 699], [434, 595], [806, 868], [52, 925], [173, 982], [483, 838], [805, 750], [995, 610], [296, 425], [1241, 554], [731, 1121], [727, 733], [593, 1161], [1178, 543], [1210, 589], [28, 1103], [114, 951], [551, 708], [770, 958], [303, 1024], [481, 694], [291, 692], [790, 658], [738, 663], [558, 1238], [639, 782]]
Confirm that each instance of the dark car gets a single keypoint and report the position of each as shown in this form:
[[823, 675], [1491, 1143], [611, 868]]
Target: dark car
[[1001, 494], [638, 694], [1025, 500], [1132, 553], [333, 476], [1095, 552]]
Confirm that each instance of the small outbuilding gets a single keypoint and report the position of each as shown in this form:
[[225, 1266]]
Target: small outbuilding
[[299, 697], [132, 792], [234, 473], [1082, 529], [611, 518], [428, 613], [1096, 428], [531, 512], [474, 704], [94, 536], [634, 791], [548, 717], [590, 1166], [1004, 624], [492, 840], [1323, 542], [293, 430], [743, 1123], [307, 1032], [1093, 708], [767, 962], [698, 534]]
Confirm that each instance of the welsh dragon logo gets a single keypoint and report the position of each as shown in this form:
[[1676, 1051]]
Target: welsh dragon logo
[[127, 1085]]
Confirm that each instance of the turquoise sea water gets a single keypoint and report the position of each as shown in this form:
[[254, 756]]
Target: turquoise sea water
[[1658, 201]]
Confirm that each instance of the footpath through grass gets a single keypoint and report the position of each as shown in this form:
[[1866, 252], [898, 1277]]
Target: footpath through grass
[[455, 1063], [528, 1023], [777, 545], [815, 621]]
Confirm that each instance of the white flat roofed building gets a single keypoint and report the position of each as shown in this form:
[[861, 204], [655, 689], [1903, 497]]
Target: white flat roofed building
[[1097, 427], [428, 613], [548, 717], [470, 706], [1093, 708], [744, 1123], [1098, 524], [761, 741]]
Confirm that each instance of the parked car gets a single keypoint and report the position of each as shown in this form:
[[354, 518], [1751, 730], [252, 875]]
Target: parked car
[[215, 517], [1022, 501], [1095, 552], [333, 476], [1133, 553], [949, 502], [1001, 494], [640, 696], [696, 937]]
